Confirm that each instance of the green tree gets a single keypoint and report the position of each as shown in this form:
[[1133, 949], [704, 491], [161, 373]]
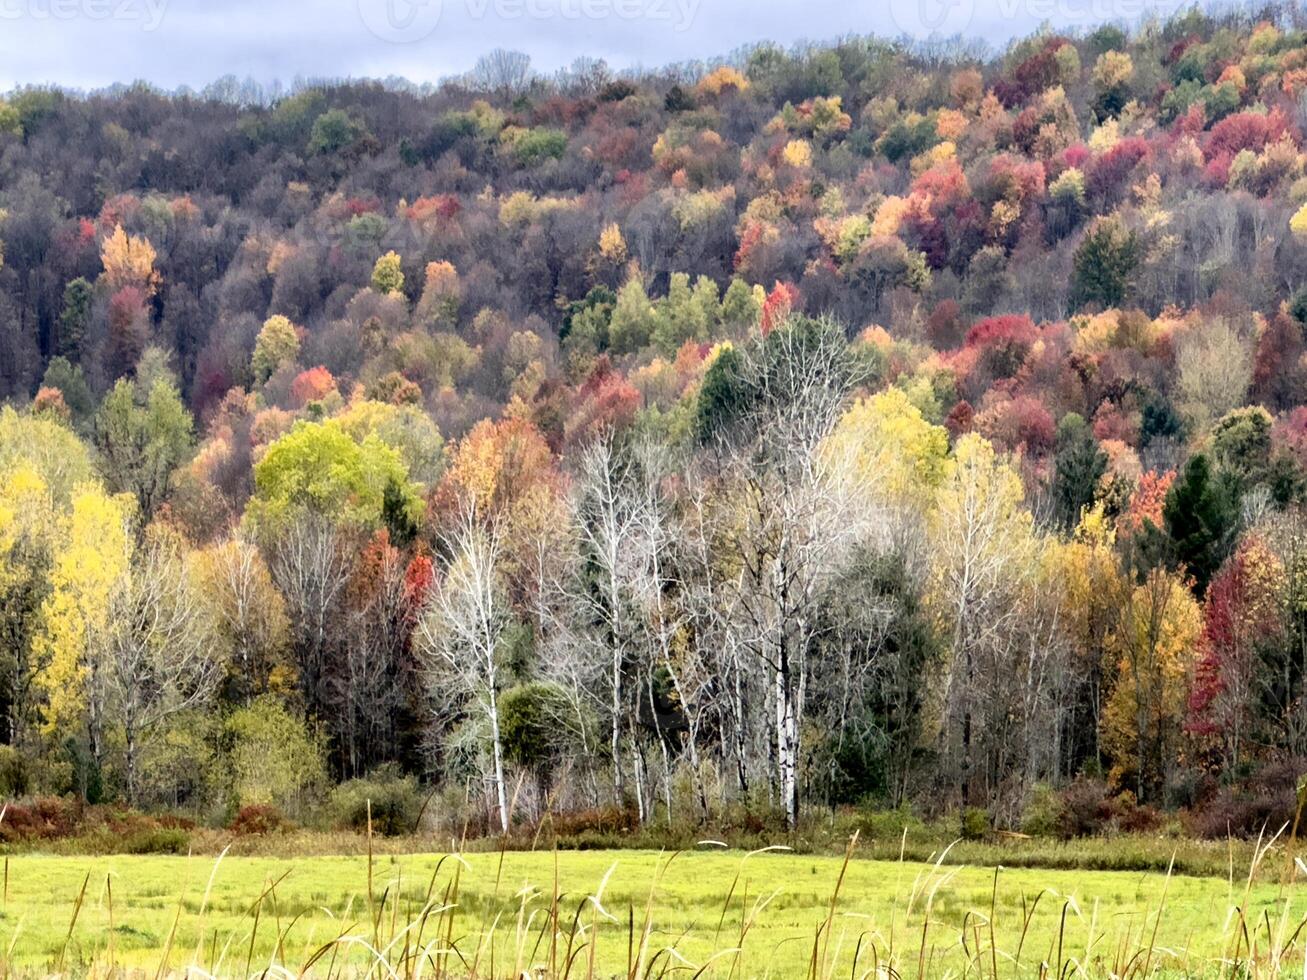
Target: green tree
[[318, 467], [278, 343], [585, 325], [1078, 465], [1198, 513], [335, 130], [398, 514], [534, 146], [10, 121], [406, 428], [68, 379], [75, 318], [685, 313], [1298, 306], [1241, 445], [1104, 264], [387, 277], [633, 319], [536, 722], [740, 307], [142, 437], [1159, 420], [273, 757], [722, 394]]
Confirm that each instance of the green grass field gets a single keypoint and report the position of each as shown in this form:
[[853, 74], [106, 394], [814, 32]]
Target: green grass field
[[139, 911]]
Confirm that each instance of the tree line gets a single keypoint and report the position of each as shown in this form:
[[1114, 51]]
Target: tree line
[[819, 426]]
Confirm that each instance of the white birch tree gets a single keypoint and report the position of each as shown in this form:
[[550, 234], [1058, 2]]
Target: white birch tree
[[461, 637]]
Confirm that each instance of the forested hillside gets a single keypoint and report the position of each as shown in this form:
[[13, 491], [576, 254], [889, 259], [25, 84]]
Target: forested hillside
[[850, 424]]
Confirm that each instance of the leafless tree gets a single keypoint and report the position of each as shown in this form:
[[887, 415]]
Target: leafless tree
[[461, 636], [584, 76], [162, 659], [567, 661], [610, 514], [791, 515], [502, 71], [369, 691], [1285, 683], [666, 604], [311, 563], [983, 553]]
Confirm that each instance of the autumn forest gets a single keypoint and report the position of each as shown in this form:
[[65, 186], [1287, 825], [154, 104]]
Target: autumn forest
[[862, 424]]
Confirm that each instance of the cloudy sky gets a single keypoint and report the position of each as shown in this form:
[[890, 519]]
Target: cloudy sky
[[90, 43]]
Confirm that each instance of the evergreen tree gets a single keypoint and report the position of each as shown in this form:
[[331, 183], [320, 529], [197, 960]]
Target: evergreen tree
[[1078, 465], [1197, 515], [74, 319], [1104, 264]]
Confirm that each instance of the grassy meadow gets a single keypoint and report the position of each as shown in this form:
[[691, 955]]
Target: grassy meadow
[[634, 913]]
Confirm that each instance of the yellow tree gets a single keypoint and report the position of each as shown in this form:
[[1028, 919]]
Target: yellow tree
[[890, 449], [72, 647], [41, 463], [278, 343], [1094, 586], [1151, 658], [441, 294], [494, 470], [984, 551], [505, 474], [249, 617], [387, 276], [612, 246], [128, 260], [49, 447]]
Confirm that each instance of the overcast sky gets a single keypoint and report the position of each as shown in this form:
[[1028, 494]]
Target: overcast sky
[[91, 43]]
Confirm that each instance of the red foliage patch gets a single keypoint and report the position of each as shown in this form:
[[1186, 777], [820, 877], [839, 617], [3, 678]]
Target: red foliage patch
[[780, 301], [1245, 131], [312, 385]]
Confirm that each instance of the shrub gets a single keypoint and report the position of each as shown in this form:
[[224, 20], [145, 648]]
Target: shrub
[[1265, 801], [156, 840], [600, 820], [95, 829], [42, 818], [274, 757], [1045, 813], [259, 819], [975, 823], [891, 824], [1086, 808], [1136, 819], [396, 802]]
